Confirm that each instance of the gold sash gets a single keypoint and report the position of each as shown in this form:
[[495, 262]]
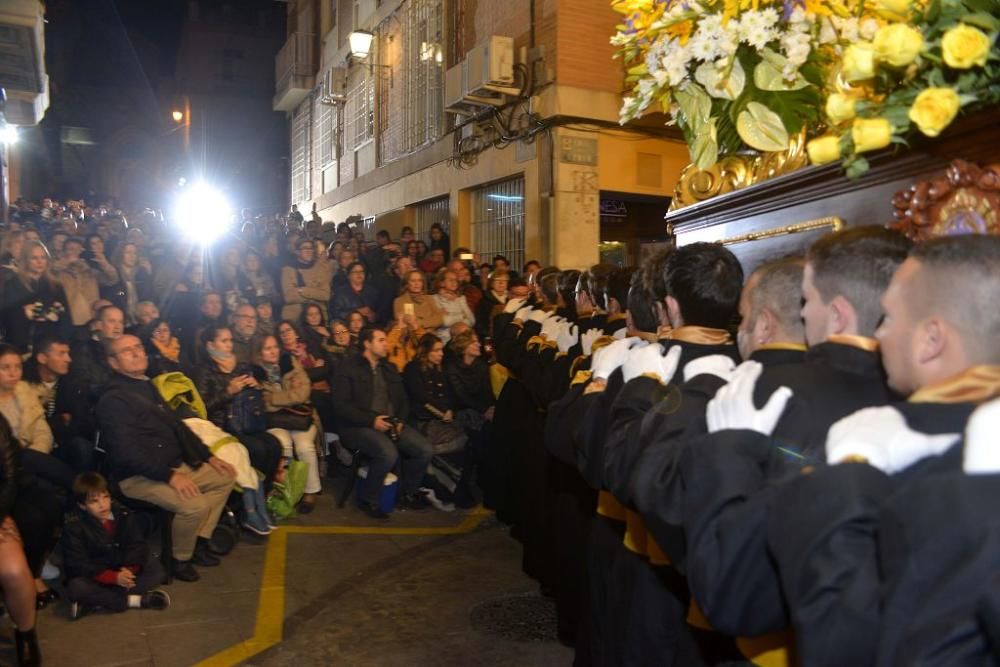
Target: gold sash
[[635, 533], [608, 506], [795, 347], [861, 342], [776, 649], [977, 384], [701, 335]]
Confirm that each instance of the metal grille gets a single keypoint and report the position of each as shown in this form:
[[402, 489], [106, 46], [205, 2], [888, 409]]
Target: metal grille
[[358, 110], [426, 214], [498, 220], [325, 130], [301, 126]]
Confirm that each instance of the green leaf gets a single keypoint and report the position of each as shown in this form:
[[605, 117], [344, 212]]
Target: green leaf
[[705, 147], [797, 108], [695, 104], [767, 76], [761, 128], [982, 20], [722, 84], [987, 6], [725, 129], [856, 166]]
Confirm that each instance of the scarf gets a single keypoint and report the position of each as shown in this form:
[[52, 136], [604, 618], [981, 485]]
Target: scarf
[[171, 350], [861, 342], [977, 384], [701, 335], [225, 361], [273, 372]]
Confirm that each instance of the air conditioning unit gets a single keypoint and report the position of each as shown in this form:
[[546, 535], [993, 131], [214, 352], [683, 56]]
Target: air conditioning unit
[[334, 86], [484, 78]]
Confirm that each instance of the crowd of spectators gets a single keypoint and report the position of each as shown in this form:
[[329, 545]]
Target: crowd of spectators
[[139, 366]]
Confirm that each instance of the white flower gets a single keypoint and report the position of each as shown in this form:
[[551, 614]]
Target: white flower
[[759, 38], [661, 77], [798, 15], [868, 28], [769, 16], [677, 73], [703, 49]]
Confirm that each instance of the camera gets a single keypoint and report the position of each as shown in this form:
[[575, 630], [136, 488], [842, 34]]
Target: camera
[[395, 422]]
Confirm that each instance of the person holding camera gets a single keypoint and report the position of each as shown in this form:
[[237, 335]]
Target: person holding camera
[[82, 279], [371, 406]]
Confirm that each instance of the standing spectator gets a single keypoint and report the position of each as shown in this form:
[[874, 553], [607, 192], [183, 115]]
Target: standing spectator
[[94, 254], [413, 252], [90, 367], [452, 304], [32, 303], [340, 276], [357, 294], [261, 281], [265, 316], [468, 376], [495, 296], [286, 385], [531, 267], [145, 312], [219, 380], [440, 240], [134, 280], [433, 261], [371, 405], [303, 281], [405, 236], [295, 218], [81, 280], [11, 246]]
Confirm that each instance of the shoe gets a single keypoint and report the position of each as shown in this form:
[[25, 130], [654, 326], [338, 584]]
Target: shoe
[[372, 511], [414, 501], [436, 502], [49, 571], [77, 611], [184, 570], [43, 599], [155, 599], [27, 648], [307, 504], [263, 511], [344, 455], [256, 524], [203, 557]]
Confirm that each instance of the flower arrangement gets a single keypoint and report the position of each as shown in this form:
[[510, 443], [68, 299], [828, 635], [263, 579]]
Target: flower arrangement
[[855, 75]]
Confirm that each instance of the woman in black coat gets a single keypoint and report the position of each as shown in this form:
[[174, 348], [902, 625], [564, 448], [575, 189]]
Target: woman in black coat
[[468, 377], [220, 379], [32, 302]]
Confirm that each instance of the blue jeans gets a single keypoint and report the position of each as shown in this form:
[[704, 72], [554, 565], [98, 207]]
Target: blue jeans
[[413, 452]]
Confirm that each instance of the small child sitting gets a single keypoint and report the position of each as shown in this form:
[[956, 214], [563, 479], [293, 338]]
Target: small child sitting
[[106, 556]]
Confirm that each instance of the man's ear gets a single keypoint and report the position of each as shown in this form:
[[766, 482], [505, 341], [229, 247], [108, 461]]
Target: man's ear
[[674, 312], [843, 317], [764, 327], [931, 340], [660, 310]]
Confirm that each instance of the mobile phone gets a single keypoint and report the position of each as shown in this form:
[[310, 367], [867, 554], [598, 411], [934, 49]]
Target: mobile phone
[[465, 256], [407, 308]]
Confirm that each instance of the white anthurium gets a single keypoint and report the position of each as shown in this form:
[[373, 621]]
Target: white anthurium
[[726, 84]]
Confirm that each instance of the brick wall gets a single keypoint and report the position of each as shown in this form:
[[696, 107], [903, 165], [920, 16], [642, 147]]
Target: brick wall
[[583, 54]]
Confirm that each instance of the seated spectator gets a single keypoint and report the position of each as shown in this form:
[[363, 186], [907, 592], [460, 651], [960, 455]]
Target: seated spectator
[[371, 406], [356, 294], [82, 279], [452, 304], [414, 308], [244, 321], [356, 321], [16, 583], [219, 380], [468, 376], [211, 313], [154, 457], [265, 317], [433, 261], [11, 245], [106, 555], [261, 283], [90, 368], [341, 340], [430, 398], [145, 312], [316, 367], [440, 240], [494, 296], [304, 280], [162, 348], [315, 333], [64, 403], [413, 252], [344, 259], [32, 302], [286, 385]]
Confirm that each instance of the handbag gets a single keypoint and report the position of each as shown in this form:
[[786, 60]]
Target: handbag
[[246, 413], [291, 418], [445, 437]]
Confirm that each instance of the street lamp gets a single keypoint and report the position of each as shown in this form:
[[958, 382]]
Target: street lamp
[[177, 115], [361, 43], [8, 134]]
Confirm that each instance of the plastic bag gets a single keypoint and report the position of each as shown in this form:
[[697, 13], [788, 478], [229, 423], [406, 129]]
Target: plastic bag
[[288, 489]]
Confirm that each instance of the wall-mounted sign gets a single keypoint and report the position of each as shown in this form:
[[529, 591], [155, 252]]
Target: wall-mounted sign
[[578, 150]]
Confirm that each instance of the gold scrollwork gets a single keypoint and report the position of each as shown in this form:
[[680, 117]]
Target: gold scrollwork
[[833, 222]]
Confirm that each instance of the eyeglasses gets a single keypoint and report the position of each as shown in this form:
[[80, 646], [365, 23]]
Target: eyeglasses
[[357, 272], [341, 332]]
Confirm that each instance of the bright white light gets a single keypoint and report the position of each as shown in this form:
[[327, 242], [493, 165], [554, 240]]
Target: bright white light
[[8, 134], [202, 213], [361, 43]]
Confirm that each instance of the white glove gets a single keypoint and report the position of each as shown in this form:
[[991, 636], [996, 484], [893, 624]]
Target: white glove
[[550, 328], [588, 338], [610, 357], [620, 334], [513, 305], [882, 438], [982, 455], [718, 365], [522, 313], [567, 336], [733, 407], [650, 359], [539, 316]]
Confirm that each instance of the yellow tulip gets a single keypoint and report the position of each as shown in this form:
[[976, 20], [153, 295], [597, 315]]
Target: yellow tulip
[[824, 149], [897, 44], [840, 107], [964, 47], [871, 134], [859, 62], [897, 10], [934, 109]]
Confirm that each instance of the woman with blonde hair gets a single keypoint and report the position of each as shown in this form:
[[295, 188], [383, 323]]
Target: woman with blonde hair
[[32, 302]]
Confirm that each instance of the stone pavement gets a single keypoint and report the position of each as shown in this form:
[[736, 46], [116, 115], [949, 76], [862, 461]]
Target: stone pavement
[[336, 588]]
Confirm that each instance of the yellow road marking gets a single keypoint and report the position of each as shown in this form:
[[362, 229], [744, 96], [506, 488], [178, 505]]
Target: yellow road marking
[[269, 627]]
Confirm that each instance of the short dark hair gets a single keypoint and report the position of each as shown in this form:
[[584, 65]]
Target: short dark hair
[[960, 278], [567, 287], [547, 280], [500, 257], [779, 289], [530, 262], [382, 234], [367, 334], [350, 267], [211, 332], [594, 282], [88, 483], [706, 280], [642, 303], [7, 348], [858, 264], [618, 286], [43, 344]]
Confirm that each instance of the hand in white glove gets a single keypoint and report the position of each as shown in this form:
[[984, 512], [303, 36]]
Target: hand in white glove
[[567, 336], [610, 357], [588, 338], [650, 359], [522, 313], [733, 407], [539, 316], [982, 456], [881, 437], [513, 305], [620, 334], [718, 365], [550, 328]]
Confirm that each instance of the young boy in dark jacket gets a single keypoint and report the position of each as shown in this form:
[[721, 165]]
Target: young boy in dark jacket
[[106, 556]]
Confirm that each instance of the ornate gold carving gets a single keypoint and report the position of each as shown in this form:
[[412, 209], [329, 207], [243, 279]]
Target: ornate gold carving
[[834, 223], [965, 200], [733, 172]]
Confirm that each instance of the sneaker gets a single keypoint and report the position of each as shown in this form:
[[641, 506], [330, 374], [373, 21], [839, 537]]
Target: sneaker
[[203, 557], [414, 501], [436, 502], [49, 571], [256, 524], [77, 611], [344, 455], [307, 504], [155, 599], [372, 510], [184, 571]]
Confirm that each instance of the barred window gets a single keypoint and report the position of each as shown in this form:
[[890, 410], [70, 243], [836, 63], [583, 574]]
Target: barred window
[[498, 220], [301, 153], [325, 130], [358, 111], [427, 213]]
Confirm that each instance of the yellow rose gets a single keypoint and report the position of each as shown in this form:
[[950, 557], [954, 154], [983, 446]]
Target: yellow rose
[[824, 149], [964, 47], [934, 109], [871, 134], [897, 44], [896, 10], [859, 62], [840, 107]]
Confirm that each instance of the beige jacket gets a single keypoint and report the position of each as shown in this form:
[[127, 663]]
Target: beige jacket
[[81, 284], [315, 288], [425, 308], [28, 422]]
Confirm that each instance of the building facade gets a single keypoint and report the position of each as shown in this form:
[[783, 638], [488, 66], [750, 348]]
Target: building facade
[[497, 119]]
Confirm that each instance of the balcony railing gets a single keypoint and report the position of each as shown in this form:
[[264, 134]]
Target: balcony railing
[[297, 58]]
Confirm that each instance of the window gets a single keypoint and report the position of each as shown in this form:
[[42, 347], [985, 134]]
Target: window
[[427, 213], [301, 153], [498, 220], [358, 110]]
